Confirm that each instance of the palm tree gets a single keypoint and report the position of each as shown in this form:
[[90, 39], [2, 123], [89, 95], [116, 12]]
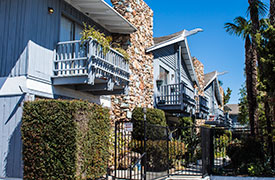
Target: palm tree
[[256, 8], [248, 30], [272, 12], [241, 27]]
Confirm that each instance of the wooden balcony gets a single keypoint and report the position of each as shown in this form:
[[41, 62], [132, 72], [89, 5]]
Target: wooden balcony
[[84, 67], [219, 113], [202, 108], [203, 104], [176, 98]]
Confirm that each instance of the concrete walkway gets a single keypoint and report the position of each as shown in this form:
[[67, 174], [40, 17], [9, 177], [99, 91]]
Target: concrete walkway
[[187, 178]]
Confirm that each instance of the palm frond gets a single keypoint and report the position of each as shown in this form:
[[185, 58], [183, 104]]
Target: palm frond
[[239, 27], [257, 6], [231, 28], [264, 23]]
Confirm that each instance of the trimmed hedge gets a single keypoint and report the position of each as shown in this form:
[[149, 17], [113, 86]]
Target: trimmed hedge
[[153, 117], [65, 139]]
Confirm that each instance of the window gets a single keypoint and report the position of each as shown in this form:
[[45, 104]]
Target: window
[[163, 75], [69, 30]]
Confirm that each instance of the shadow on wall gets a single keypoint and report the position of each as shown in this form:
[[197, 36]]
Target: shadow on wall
[[16, 65], [14, 163]]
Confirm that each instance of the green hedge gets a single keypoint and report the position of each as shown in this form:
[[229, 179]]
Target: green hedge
[[65, 139], [154, 117]]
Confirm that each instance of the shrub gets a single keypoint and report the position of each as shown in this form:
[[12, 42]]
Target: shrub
[[64, 140], [222, 139], [247, 156], [157, 153], [154, 117]]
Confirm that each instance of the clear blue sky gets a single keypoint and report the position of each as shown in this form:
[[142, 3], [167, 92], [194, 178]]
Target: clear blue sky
[[215, 48]]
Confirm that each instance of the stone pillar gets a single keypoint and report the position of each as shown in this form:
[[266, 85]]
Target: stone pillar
[[141, 87], [199, 69], [222, 94]]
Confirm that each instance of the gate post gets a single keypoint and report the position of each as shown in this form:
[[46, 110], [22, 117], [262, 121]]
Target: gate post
[[167, 139], [116, 123], [145, 139], [207, 147]]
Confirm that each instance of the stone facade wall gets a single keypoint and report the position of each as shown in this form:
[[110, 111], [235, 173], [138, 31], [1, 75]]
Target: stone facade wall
[[141, 87], [222, 94], [199, 69]]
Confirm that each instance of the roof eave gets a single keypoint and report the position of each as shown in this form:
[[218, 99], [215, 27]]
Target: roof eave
[[218, 91], [193, 73], [211, 80], [168, 42], [120, 25]]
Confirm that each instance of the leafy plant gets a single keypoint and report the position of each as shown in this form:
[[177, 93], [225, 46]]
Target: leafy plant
[[157, 153], [227, 96], [102, 39], [124, 53], [243, 107], [154, 117], [191, 138], [65, 139], [248, 157]]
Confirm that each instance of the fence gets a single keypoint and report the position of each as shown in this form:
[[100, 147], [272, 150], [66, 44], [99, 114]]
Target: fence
[[154, 151], [236, 152]]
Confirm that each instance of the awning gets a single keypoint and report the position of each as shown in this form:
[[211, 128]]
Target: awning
[[105, 15]]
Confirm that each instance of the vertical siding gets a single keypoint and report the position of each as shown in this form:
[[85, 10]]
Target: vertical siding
[[28, 20], [25, 20], [77, 16], [10, 138]]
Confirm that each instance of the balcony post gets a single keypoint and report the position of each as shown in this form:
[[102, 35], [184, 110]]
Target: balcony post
[[90, 66], [181, 95]]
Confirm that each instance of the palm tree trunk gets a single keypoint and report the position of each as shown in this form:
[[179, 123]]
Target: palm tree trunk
[[269, 130], [252, 95], [272, 12], [249, 83]]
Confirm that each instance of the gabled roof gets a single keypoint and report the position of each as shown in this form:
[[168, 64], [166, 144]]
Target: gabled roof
[[178, 37], [163, 41], [233, 108], [105, 15], [158, 40], [213, 77], [209, 77]]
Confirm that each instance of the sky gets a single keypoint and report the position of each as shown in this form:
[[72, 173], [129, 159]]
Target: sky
[[214, 47]]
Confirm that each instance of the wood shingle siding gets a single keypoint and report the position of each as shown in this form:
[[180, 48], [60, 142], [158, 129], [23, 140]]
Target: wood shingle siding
[[185, 76], [167, 55]]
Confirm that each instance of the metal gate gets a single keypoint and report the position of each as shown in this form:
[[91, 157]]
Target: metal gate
[[146, 151]]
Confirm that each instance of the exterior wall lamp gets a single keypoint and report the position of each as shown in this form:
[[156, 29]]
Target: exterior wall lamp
[[50, 10]]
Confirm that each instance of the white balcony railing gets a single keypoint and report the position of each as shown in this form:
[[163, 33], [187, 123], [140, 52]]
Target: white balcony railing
[[80, 58], [175, 94]]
